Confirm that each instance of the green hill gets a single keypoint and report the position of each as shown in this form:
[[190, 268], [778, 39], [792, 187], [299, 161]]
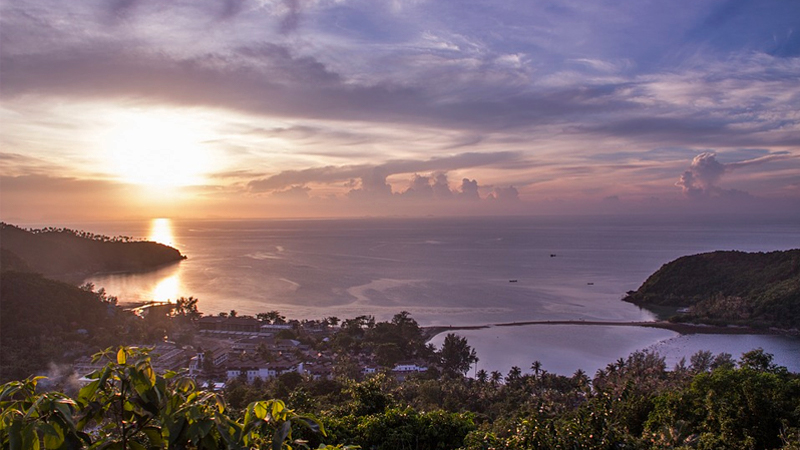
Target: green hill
[[42, 319], [728, 287], [63, 253]]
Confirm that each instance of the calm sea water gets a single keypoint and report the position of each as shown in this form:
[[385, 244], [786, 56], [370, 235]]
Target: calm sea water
[[453, 272]]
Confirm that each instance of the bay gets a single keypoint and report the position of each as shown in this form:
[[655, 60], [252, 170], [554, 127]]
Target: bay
[[451, 271]]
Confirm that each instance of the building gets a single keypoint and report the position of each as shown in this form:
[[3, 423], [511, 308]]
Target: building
[[229, 324]]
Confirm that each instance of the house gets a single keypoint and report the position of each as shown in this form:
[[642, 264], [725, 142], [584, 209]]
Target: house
[[251, 372], [406, 367], [218, 354], [252, 343], [229, 324], [261, 369], [320, 373], [275, 327]]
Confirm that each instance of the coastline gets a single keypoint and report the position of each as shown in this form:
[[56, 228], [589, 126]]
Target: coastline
[[680, 328]]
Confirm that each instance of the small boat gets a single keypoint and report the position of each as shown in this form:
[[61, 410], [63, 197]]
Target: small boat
[[590, 284], [512, 281], [552, 255]]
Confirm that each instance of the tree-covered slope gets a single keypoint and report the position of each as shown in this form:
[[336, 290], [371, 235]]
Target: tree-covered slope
[[732, 287], [59, 252], [41, 319]]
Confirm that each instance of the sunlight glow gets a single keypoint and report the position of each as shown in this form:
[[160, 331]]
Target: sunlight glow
[[161, 232], [161, 149], [166, 290]]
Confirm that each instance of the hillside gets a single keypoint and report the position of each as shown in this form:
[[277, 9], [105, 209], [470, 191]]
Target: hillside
[[63, 253], [42, 319], [728, 287]]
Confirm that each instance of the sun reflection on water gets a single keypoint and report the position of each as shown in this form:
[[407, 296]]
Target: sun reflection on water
[[167, 290], [161, 232]]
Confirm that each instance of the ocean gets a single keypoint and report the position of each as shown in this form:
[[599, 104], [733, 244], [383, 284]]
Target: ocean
[[456, 272]]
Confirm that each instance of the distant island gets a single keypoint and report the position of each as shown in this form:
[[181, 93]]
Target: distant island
[[728, 288], [70, 255]]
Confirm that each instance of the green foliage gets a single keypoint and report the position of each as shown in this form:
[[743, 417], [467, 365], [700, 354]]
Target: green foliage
[[397, 428], [43, 319], [457, 356], [634, 403], [732, 408], [65, 252], [729, 287], [126, 405], [32, 421]]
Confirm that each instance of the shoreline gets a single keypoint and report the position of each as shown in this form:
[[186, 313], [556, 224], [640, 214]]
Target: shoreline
[[680, 328]]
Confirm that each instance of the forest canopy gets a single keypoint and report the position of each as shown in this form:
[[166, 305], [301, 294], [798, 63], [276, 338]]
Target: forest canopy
[[728, 287]]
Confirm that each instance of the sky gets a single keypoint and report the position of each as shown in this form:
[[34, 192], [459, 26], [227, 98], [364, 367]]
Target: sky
[[117, 109]]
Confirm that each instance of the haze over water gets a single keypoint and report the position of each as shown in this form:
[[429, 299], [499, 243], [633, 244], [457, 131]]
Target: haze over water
[[454, 271]]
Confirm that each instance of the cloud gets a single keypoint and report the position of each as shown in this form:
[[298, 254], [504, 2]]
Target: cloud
[[420, 188], [441, 187], [469, 190], [291, 19], [292, 193], [373, 177], [505, 194], [434, 187], [705, 172]]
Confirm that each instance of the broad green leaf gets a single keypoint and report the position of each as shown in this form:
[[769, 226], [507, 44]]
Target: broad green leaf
[[15, 435], [280, 435], [154, 436], [88, 392], [53, 435], [150, 374], [260, 410], [64, 407], [30, 440], [136, 446], [277, 408]]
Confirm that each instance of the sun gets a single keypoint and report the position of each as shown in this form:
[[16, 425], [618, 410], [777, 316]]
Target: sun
[[157, 149]]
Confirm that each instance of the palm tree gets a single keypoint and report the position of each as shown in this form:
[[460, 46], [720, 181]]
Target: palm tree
[[513, 375], [536, 367], [580, 378]]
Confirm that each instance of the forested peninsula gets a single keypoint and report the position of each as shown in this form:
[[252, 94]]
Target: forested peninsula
[[728, 288], [45, 317], [69, 254]]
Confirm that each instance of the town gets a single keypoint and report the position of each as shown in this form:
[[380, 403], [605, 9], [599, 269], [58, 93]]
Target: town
[[216, 349]]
